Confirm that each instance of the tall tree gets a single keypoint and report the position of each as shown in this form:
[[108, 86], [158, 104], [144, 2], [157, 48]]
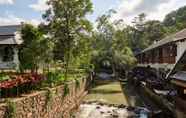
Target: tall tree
[[154, 31], [139, 21], [145, 32], [137, 31], [111, 43], [67, 24], [36, 49], [175, 20]]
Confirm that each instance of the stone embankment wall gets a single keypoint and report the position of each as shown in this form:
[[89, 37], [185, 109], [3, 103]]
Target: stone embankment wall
[[58, 102]]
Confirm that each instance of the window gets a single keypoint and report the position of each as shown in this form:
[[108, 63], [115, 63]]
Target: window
[[8, 54]]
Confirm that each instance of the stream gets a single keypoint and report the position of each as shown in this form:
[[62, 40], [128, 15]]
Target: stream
[[111, 100], [98, 110]]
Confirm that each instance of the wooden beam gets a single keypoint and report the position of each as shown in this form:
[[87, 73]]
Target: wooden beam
[[179, 83]]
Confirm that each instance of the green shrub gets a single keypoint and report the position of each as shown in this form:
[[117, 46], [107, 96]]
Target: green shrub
[[55, 78], [49, 97], [77, 83], [66, 90], [11, 109], [4, 77]]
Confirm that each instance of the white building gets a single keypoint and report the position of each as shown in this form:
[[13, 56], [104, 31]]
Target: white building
[[165, 53], [9, 43]]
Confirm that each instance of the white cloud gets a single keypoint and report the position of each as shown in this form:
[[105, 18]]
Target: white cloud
[[10, 20], [155, 9], [14, 20], [128, 6], [40, 5], [6, 1], [164, 9], [35, 22]]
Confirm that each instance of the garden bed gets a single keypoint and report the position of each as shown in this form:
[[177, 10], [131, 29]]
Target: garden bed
[[16, 84], [56, 102]]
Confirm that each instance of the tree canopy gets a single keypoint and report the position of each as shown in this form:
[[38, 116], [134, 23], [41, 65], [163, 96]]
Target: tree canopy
[[36, 49], [69, 37], [69, 28], [176, 20], [111, 43]]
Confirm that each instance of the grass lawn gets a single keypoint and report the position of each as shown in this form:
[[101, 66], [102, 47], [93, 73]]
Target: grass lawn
[[109, 93]]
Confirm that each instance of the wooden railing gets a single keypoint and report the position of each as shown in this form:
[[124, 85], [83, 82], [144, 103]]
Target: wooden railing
[[169, 60]]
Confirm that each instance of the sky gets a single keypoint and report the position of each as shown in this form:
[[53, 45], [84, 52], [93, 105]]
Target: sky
[[16, 11]]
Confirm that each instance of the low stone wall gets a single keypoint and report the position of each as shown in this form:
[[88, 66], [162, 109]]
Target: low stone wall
[[58, 102]]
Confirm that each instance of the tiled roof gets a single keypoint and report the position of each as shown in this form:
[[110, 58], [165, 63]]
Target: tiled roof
[[9, 35], [9, 29], [9, 40], [172, 38]]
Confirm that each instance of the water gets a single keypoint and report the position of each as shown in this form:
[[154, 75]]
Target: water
[[95, 110], [112, 100]]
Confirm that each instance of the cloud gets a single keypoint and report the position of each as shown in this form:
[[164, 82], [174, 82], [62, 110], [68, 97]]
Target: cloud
[[6, 2], [155, 9], [14, 20], [10, 20], [35, 22], [164, 9], [40, 5]]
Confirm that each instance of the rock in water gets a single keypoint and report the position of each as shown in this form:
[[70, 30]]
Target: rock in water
[[95, 110]]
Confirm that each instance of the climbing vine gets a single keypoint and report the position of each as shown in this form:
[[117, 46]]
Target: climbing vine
[[11, 109], [77, 83], [49, 97], [66, 90]]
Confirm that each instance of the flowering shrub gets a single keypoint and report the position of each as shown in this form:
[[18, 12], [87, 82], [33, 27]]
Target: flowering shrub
[[19, 83], [15, 84], [17, 80]]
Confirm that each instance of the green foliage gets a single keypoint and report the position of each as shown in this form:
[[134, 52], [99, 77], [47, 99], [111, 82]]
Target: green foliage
[[69, 28], [144, 32], [154, 31], [111, 43], [175, 20], [54, 78], [11, 109], [66, 90], [76, 46], [36, 49], [77, 83], [83, 53], [4, 77], [49, 97]]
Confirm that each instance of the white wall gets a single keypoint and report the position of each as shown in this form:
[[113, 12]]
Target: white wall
[[181, 47], [1, 58]]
